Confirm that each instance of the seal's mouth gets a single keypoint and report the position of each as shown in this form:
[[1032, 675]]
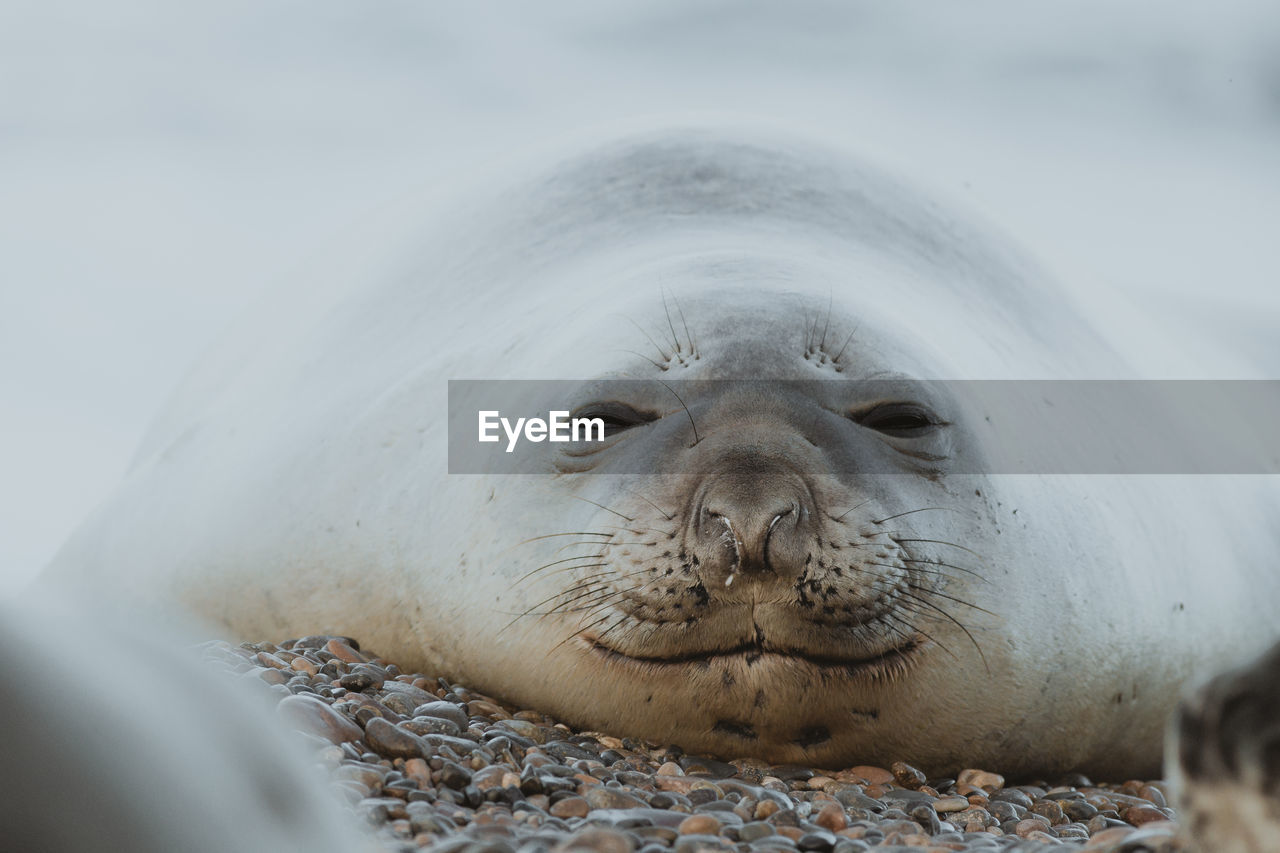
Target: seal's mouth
[[890, 663]]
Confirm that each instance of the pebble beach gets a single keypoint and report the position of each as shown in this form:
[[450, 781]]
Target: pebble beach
[[430, 765]]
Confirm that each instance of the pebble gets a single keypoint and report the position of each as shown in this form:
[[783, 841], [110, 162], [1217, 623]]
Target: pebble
[[390, 740], [443, 711], [701, 824], [950, 804], [435, 766], [313, 715], [571, 807], [907, 776]]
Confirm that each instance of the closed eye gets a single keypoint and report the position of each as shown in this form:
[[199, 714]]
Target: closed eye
[[900, 420], [617, 417]]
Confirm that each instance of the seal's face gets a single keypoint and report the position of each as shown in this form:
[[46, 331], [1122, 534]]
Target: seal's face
[[772, 579]]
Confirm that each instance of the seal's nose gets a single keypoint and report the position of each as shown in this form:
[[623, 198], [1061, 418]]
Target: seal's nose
[[752, 518]]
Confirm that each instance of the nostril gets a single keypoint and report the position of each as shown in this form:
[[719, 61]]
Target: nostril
[[791, 510]]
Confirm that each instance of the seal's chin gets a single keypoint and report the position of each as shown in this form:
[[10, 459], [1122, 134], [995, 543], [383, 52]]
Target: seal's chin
[[766, 660]]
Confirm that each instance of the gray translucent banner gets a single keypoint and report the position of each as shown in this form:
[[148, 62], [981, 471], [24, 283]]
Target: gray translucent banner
[[877, 426]]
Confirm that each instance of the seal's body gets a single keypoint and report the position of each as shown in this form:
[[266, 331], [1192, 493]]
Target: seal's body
[[751, 592]]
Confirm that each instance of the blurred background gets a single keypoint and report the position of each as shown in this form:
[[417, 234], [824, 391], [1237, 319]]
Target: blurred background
[[162, 166]]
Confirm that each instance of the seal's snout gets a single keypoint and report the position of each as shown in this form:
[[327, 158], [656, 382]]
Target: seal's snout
[[751, 518]]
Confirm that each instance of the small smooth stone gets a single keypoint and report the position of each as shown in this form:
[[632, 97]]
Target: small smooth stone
[[699, 844], [705, 765], [481, 708], [416, 768], [1049, 810], [267, 674], [612, 798], [753, 831], [1011, 795], [1078, 810], [489, 777], [1157, 834], [525, 729], [1108, 837], [664, 835], [454, 775], [820, 840], [855, 800], [415, 695], [670, 768], [1140, 815], [1029, 825], [303, 665], [315, 716], [765, 808], [425, 725], [356, 681], [924, 814], [699, 824], [362, 773], [866, 773], [1154, 794], [832, 817], [388, 739], [907, 776], [598, 839], [570, 807], [444, 711], [983, 779], [344, 652], [1003, 811], [950, 804]]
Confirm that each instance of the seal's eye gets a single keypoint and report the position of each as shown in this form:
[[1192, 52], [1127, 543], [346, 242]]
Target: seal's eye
[[616, 416], [901, 420]]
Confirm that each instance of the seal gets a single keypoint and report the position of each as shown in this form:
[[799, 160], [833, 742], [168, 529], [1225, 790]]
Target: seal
[[794, 568], [1224, 758]]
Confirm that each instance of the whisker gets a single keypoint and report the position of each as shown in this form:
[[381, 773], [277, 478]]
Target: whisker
[[571, 533], [602, 506], [686, 411], [836, 360], [639, 530], [665, 355], [928, 636], [841, 516], [527, 575], [532, 608], [827, 324], [575, 633], [973, 572], [692, 347], [652, 504], [910, 511], [604, 545], [957, 623], [939, 542], [672, 326], [556, 563], [656, 364]]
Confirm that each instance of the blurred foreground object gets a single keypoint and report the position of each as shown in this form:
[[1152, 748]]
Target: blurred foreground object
[[120, 738], [1225, 756]]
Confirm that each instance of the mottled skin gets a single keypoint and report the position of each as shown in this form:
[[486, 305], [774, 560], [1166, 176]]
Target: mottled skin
[[1224, 758], [803, 582]]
